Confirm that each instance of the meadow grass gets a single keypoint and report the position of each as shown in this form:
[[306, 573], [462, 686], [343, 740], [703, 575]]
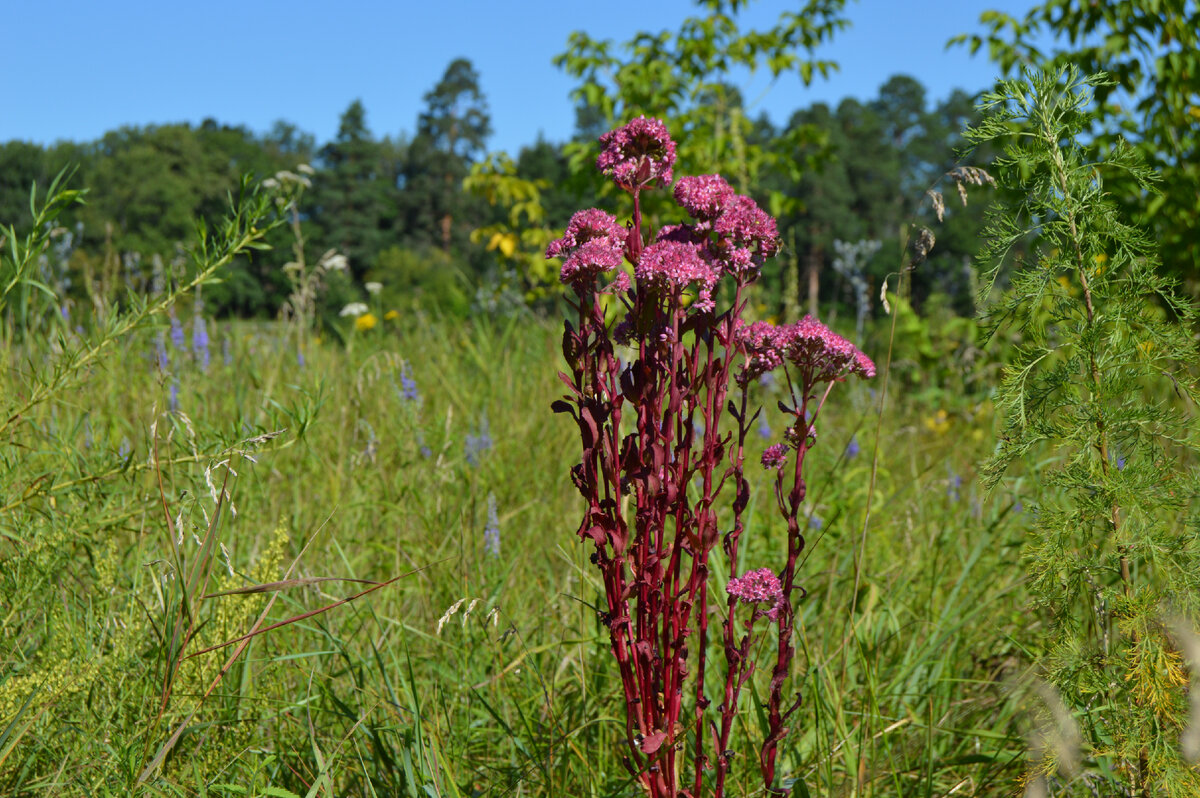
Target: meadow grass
[[907, 682]]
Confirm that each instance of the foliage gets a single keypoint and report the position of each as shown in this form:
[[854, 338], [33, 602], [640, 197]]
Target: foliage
[[61, 502], [520, 240], [1151, 51], [1106, 340], [354, 194], [682, 77], [451, 135]]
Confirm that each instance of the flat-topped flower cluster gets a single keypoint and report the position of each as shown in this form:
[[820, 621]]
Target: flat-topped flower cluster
[[729, 234], [820, 354]]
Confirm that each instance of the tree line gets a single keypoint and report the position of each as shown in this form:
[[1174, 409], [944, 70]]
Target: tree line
[[396, 206]]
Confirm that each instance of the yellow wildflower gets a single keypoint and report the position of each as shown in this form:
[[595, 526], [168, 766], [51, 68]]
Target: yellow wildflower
[[939, 422], [391, 315], [366, 321]]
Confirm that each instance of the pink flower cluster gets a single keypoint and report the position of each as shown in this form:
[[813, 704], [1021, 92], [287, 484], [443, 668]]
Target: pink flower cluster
[[594, 242], [818, 352], [756, 587], [637, 155], [731, 234], [775, 456], [704, 197], [671, 265], [746, 235]]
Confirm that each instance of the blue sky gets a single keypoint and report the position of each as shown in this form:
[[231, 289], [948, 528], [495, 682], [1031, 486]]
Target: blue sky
[[73, 70]]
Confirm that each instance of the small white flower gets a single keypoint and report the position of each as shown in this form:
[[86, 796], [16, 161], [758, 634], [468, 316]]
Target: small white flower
[[355, 309], [335, 262], [373, 288], [305, 169]]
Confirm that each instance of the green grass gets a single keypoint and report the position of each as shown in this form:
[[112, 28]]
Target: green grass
[[907, 682]]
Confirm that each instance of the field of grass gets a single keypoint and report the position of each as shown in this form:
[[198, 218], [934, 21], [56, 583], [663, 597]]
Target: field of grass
[[477, 672]]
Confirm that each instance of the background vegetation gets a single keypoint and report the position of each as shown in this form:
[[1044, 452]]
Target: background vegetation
[[407, 446]]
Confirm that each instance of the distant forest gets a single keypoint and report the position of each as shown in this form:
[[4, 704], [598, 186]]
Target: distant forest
[[397, 207]]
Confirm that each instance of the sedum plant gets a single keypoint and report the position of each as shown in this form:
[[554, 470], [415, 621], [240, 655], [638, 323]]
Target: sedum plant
[[1105, 381], [658, 369]]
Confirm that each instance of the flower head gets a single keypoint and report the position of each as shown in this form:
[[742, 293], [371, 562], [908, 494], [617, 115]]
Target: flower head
[[746, 236], [408, 386], [178, 340], [478, 443], [637, 155], [775, 456], [821, 354], [593, 242], [704, 197], [673, 264], [200, 341], [756, 587], [763, 353]]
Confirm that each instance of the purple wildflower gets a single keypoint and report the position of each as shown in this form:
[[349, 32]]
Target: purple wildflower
[[953, 485], [852, 448], [638, 155], [756, 587], [764, 429], [178, 340], [160, 352], [491, 533], [478, 443], [815, 521], [173, 401], [408, 386], [775, 456], [200, 341]]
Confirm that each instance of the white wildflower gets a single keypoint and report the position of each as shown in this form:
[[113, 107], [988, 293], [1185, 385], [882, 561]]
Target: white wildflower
[[334, 261], [373, 288], [355, 309]]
